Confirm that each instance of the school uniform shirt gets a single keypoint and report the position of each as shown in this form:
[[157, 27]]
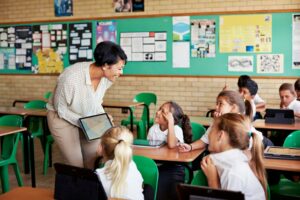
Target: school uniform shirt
[[294, 105], [257, 99], [204, 137], [156, 134], [133, 187], [235, 174], [75, 96]]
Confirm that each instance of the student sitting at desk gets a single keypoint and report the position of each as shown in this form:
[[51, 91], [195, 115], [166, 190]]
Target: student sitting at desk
[[228, 101], [227, 166], [288, 98], [173, 126], [297, 88], [119, 176]]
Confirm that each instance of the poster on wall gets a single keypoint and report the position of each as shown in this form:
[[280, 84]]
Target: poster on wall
[[203, 42], [144, 46], [23, 47], [106, 31], [7, 37], [296, 41], [50, 47], [181, 55], [128, 5], [246, 33], [7, 58], [80, 42], [269, 63], [63, 8], [240, 63], [181, 28]]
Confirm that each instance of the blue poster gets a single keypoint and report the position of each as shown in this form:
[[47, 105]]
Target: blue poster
[[63, 8]]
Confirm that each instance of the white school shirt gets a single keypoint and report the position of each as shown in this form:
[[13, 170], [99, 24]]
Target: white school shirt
[[235, 174], [75, 97], [133, 188], [204, 137], [156, 134], [257, 99], [295, 105]]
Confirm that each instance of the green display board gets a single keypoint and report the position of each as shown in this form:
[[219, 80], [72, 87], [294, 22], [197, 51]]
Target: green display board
[[215, 66]]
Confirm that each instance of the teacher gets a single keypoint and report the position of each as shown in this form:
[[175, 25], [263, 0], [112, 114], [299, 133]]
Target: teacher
[[79, 93]]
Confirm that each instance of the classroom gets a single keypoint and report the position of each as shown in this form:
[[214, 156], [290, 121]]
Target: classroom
[[193, 83]]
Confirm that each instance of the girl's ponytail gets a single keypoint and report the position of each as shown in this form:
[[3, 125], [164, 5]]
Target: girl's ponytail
[[186, 128]]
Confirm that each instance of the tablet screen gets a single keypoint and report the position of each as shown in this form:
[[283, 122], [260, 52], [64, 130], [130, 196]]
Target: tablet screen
[[95, 126]]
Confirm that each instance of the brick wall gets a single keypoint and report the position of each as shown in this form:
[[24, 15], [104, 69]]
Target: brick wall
[[194, 94]]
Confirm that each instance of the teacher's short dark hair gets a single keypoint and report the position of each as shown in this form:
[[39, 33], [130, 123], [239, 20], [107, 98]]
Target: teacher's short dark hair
[[108, 53]]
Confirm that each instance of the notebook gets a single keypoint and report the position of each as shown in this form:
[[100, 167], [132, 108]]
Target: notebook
[[95, 126], [279, 116], [148, 143], [77, 183], [282, 153], [191, 192]]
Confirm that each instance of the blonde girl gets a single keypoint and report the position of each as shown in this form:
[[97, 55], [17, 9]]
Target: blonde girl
[[227, 166], [119, 176]]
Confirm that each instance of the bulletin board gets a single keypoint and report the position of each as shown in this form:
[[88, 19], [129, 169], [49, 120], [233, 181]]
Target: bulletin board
[[209, 66]]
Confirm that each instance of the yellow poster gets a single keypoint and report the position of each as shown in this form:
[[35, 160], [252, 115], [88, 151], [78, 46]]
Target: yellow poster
[[245, 33]]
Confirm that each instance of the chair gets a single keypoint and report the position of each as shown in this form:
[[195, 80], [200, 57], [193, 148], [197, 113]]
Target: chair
[[199, 179], [47, 94], [9, 147], [47, 160], [149, 171], [198, 130], [36, 124], [148, 99], [287, 188]]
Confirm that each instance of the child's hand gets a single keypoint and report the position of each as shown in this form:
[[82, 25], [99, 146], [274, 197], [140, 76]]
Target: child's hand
[[217, 114], [183, 147], [169, 117], [209, 169]]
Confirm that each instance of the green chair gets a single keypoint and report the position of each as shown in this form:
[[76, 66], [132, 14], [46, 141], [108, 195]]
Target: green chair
[[47, 94], [148, 99], [199, 179], [287, 189], [48, 145], [198, 130], [37, 124], [9, 148], [149, 171]]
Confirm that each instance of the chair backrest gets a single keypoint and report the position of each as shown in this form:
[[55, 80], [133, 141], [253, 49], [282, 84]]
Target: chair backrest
[[35, 104], [292, 140], [47, 94], [198, 130], [149, 171], [148, 98], [10, 142], [199, 179]]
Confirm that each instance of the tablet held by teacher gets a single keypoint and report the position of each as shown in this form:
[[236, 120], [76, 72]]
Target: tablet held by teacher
[[79, 93]]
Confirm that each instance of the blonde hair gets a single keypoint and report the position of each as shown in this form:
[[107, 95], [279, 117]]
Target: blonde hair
[[238, 129], [116, 146]]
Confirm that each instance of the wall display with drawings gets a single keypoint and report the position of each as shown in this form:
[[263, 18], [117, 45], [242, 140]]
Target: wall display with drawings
[[23, 46], [80, 42], [106, 31], [49, 47], [144, 46], [269, 63], [7, 58], [7, 37]]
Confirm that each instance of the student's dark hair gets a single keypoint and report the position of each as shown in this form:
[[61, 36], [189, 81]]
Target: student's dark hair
[[182, 120], [251, 86], [108, 53], [297, 84], [238, 129], [242, 80]]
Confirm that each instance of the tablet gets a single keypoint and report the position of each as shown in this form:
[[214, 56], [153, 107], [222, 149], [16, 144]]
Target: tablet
[[279, 116], [95, 126], [282, 153], [148, 143]]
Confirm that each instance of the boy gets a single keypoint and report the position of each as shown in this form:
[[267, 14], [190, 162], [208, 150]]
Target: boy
[[249, 90], [288, 98], [297, 88], [258, 101]]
